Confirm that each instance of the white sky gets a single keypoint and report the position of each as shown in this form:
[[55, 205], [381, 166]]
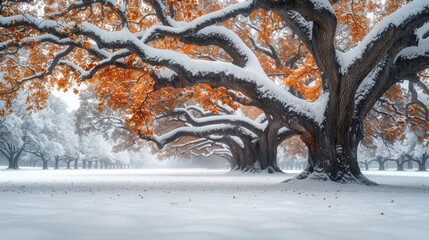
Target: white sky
[[70, 98]]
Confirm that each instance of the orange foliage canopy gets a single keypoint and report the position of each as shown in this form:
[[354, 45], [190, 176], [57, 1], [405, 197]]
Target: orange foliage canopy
[[129, 87]]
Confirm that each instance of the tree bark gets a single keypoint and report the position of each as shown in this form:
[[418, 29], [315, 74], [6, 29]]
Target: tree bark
[[422, 164], [75, 164], [399, 165], [422, 168], [410, 165], [333, 156], [57, 161], [11, 163], [17, 157], [366, 164], [267, 149], [380, 164], [45, 163]]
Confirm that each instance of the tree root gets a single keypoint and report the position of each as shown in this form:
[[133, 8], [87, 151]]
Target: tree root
[[273, 169], [364, 180], [321, 175], [252, 169]]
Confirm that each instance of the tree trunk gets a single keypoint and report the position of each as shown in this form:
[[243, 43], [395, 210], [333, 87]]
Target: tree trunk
[[84, 164], [11, 163], [75, 164], [45, 163], [422, 165], [400, 166], [366, 164], [90, 165], [12, 158], [16, 158], [326, 163], [248, 161], [333, 155], [380, 164], [267, 149], [425, 158], [410, 165], [57, 161], [68, 164], [96, 165], [236, 152], [232, 162]]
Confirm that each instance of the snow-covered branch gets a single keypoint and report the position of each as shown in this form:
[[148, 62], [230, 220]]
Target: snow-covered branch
[[199, 132]]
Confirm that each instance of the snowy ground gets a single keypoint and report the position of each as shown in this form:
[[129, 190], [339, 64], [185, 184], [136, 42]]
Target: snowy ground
[[204, 205]]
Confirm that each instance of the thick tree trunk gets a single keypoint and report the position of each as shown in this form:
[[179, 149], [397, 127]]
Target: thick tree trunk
[[380, 164], [399, 165], [422, 164], [330, 160], [425, 158], [68, 164], [410, 165], [57, 161], [232, 163], [236, 152], [75, 164], [84, 164], [249, 162], [366, 164], [245, 156], [96, 165], [11, 163], [90, 165], [45, 163], [267, 149], [16, 158], [12, 159]]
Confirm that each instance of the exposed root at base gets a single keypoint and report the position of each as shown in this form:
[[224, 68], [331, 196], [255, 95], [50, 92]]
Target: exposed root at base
[[252, 169], [364, 180], [321, 175]]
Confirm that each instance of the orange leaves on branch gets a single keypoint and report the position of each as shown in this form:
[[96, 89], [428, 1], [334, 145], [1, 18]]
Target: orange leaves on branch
[[360, 16], [305, 80], [184, 10], [209, 97], [86, 45]]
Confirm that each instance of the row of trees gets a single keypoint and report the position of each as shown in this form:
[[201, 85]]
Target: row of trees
[[49, 135], [174, 70], [402, 153], [211, 137]]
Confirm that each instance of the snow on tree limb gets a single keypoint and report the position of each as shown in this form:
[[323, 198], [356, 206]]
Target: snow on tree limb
[[381, 38], [171, 136]]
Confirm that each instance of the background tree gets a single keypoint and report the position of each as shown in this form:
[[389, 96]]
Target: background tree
[[52, 132], [14, 131]]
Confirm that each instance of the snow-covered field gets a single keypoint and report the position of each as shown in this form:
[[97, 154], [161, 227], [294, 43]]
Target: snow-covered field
[[204, 204]]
